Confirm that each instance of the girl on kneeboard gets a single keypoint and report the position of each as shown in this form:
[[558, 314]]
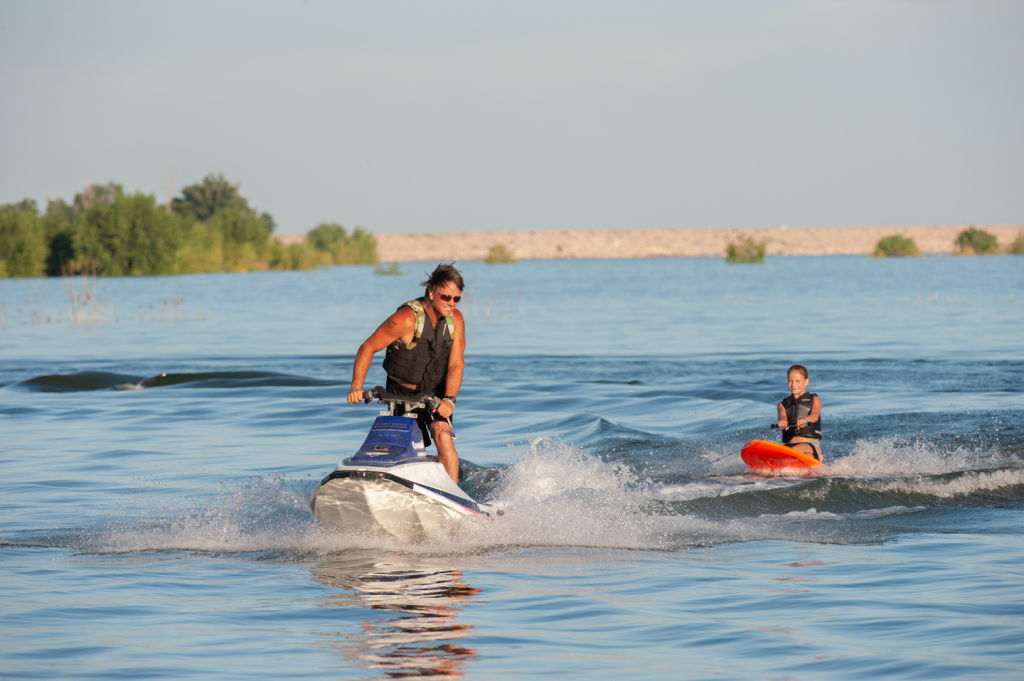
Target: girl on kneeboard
[[800, 415]]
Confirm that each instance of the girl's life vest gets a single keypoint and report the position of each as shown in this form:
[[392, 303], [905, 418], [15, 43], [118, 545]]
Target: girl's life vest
[[800, 409], [422, 362]]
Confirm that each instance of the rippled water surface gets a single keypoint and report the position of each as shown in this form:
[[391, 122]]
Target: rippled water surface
[[159, 446]]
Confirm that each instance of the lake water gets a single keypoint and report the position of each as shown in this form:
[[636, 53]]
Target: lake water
[[164, 532]]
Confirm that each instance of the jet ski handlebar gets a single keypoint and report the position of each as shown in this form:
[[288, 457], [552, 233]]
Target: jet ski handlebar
[[425, 399]]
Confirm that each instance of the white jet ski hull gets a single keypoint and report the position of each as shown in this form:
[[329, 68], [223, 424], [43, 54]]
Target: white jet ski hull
[[406, 500]]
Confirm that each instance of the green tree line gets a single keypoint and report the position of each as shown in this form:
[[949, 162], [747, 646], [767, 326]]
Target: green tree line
[[210, 227]]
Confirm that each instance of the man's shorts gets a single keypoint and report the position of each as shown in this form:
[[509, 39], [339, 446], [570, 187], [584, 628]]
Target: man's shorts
[[423, 417]]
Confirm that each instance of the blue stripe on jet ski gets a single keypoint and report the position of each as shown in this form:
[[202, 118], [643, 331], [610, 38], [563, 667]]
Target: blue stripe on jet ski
[[460, 501]]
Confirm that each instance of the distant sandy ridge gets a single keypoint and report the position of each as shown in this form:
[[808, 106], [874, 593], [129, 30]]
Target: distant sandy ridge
[[666, 243]]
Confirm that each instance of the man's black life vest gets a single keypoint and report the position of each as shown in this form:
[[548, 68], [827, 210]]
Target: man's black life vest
[[424, 361], [799, 409]]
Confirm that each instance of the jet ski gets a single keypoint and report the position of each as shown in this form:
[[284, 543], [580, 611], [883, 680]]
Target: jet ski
[[391, 484]]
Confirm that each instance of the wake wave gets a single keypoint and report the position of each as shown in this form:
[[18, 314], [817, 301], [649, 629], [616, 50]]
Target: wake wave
[[559, 495], [969, 484], [101, 380], [893, 457]]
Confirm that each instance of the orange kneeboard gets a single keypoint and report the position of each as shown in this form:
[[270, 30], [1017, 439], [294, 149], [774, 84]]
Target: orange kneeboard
[[769, 456]]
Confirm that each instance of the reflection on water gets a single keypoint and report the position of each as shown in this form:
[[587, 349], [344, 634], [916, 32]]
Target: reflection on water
[[416, 628]]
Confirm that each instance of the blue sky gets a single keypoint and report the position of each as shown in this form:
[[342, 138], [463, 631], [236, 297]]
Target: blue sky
[[467, 116]]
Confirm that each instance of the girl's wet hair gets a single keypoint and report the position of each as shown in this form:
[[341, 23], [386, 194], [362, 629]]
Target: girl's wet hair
[[800, 369]]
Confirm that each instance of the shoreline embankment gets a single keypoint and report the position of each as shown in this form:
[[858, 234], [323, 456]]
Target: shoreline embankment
[[663, 243]]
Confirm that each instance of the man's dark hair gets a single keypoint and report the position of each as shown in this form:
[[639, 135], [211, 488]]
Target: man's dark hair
[[443, 274]]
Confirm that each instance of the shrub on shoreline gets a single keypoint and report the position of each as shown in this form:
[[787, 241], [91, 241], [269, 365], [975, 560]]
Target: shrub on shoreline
[[973, 241], [745, 250], [500, 254], [210, 228], [296, 257], [358, 248], [22, 241], [897, 246], [1017, 245]]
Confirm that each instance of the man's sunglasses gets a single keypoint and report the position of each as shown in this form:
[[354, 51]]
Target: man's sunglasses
[[449, 299]]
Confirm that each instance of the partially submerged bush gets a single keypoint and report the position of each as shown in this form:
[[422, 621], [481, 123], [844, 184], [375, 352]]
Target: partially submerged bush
[[1017, 245], [500, 254], [896, 246], [973, 241], [392, 270], [745, 250]]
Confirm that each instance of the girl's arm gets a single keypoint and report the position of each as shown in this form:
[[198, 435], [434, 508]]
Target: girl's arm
[[815, 414], [783, 421]]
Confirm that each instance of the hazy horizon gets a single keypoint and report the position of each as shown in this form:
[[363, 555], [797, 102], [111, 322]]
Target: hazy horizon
[[453, 116]]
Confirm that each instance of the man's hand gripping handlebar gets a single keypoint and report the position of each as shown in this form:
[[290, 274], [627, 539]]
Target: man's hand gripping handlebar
[[424, 399]]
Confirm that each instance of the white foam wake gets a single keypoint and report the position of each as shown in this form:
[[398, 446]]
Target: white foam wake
[[964, 485], [556, 495], [814, 514], [893, 457]]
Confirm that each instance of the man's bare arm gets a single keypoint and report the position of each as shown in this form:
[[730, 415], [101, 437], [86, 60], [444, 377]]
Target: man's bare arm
[[456, 365], [398, 326]]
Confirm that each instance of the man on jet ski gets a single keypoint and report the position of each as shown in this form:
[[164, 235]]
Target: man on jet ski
[[426, 343]]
